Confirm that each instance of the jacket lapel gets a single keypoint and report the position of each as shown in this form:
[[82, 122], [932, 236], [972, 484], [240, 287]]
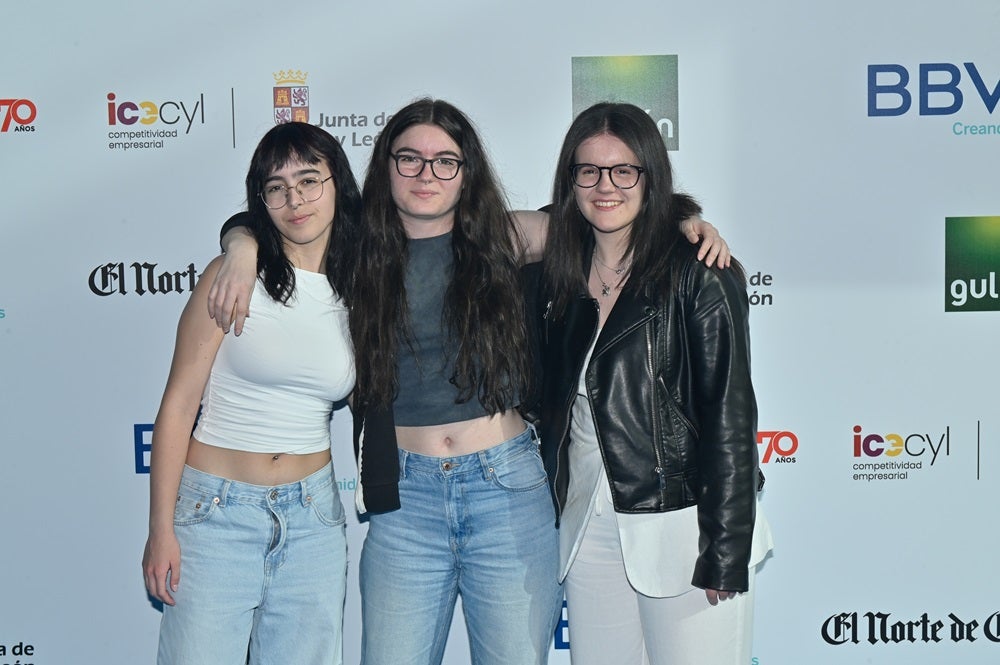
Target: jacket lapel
[[632, 309]]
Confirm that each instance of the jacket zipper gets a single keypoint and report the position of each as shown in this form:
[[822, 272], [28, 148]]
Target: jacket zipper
[[660, 470]]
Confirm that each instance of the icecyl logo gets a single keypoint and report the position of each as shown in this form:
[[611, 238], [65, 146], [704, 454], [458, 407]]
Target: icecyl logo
[[782, 444], [143, 278], [895, 445], [19, 112], [938, 89], [149, 113]]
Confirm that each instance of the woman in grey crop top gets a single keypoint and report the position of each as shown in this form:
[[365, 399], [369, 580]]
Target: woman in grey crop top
[[247, 546], [451, 476]]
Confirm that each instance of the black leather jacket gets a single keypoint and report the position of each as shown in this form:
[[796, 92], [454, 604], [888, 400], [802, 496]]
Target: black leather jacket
[[669, 384]]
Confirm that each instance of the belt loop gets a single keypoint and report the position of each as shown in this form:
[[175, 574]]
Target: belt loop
[[403, 457], [224, 491], [484, 464], [534, 433], [304, 492]]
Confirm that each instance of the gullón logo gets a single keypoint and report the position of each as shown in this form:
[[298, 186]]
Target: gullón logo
[[648, 81], [971, 263]]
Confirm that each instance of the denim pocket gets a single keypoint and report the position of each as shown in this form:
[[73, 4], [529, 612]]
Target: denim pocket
[[327, 506], [520, 472], [193, 506]]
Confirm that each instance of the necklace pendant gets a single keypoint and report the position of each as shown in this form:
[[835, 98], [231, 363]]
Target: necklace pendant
[[605, 289]]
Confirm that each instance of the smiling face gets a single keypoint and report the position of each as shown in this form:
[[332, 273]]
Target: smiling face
[[305, 226], [426, 204], [609, 209]]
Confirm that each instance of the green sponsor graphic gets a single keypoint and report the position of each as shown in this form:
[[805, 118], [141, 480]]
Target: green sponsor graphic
[[648, 81], [972, 264]]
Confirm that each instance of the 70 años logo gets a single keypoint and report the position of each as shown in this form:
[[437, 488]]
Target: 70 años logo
[[781, 446], [20, 112]]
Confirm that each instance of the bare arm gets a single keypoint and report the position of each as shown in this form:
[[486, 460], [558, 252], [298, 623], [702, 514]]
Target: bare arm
[[198, 340], [228, 300], [533, 227]]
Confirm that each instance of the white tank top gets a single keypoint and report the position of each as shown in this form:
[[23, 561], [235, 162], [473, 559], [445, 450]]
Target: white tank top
[[272, 389]]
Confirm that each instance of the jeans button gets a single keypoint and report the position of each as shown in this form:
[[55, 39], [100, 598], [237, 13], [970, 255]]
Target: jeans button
[[274, 495], [446, 466]]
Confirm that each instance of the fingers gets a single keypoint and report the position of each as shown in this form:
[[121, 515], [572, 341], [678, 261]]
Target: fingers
[[175, 578], [160, 582], [213, 295], [227, 308], [240, 312], [161, 573], [714, 251], [691, 233], [714, 596], [708, 252], [217, 296], [229, 303]]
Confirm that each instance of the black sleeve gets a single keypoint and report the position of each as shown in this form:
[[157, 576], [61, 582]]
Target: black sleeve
[[683, 206], [531, 277], [239, 219]]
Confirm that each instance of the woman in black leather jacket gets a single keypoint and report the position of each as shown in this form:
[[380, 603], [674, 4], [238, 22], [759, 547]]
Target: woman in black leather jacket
[[648, 413]]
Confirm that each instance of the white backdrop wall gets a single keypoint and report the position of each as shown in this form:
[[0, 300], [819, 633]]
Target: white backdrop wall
[[848, 151]]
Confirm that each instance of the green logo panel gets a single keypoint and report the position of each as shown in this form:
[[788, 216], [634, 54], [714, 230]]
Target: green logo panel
[[648, 81], [971, 264]]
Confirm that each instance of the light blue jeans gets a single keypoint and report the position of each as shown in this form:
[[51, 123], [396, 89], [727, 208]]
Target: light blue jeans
[[481, 526], [263, 571]]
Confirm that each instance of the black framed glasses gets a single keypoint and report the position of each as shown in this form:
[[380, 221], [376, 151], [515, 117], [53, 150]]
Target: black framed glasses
[[623, 176], [275, 195], [410, 166]]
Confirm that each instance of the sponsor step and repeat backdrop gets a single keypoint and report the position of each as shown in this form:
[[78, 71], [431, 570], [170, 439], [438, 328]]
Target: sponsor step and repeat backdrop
[[848, 151]]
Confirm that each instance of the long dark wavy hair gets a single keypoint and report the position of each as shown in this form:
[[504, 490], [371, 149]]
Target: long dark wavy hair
[[656, 243], [299, 141], [483, 311]]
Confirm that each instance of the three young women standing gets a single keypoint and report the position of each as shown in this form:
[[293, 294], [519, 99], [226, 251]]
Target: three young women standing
[[451, 475]]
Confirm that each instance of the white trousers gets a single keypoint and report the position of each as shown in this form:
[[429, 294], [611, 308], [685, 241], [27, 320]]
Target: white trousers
[[610, 622]]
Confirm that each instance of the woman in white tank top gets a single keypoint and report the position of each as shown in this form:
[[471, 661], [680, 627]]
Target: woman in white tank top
[[247, 545]]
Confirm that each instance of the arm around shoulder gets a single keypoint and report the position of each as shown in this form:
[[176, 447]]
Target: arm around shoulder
[[532, 229], [228, 300]]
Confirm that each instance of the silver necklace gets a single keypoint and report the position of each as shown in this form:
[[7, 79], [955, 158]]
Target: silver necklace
[[605, 287], [623, 265]]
